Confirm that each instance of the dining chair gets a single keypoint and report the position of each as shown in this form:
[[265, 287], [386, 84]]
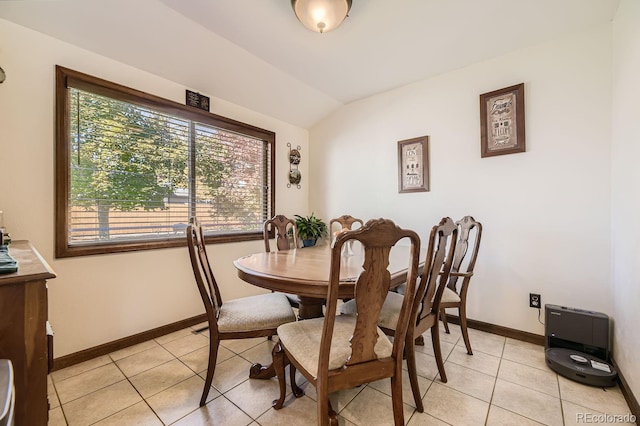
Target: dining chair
[[454, 296], [280, 225], [340, 352], [345, 221], [426, 302], [246, 317]]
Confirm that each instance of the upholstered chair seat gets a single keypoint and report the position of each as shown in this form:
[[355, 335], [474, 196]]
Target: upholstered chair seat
[[389, 313], [302, 340], [340, 351], [252, 313], [450, 296], [392, 304], [247, 317], [427, 299]]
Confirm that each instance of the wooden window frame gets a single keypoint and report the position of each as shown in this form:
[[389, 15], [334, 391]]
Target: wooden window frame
[[66, 77]]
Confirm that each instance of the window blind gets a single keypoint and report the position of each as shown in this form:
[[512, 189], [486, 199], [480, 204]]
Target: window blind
[[137, 172]]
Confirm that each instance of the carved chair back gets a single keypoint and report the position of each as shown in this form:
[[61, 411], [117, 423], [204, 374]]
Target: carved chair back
[[439, 258], [281, 225], [346, 222], [377, 237], [205, 280], [466, 227]]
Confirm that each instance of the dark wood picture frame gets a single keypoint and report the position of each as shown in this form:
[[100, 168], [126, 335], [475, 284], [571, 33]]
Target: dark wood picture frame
[[413, 165], [502, 121]]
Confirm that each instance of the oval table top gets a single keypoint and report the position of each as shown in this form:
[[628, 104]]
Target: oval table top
[[305, 271]]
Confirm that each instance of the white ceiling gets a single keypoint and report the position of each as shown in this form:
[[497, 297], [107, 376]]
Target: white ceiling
[[256, 54]]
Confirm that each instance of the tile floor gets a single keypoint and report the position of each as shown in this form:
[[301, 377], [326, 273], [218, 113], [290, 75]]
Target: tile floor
[[159, 382]]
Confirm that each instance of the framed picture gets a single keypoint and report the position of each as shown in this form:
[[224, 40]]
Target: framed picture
[[413, 165], [502, 121]]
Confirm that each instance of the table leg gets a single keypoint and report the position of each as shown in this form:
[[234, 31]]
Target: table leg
[[258, 371], [310, 307]]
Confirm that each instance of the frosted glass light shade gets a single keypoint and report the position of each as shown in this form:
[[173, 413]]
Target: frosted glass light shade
[[321, 15]]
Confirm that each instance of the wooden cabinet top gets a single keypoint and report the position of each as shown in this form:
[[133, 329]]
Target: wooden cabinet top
[[31, 266]]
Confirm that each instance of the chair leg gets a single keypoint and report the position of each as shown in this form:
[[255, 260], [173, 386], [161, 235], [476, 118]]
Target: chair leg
[[322, 404], [211, 368], [297, 392], [410, 352], [435, 339], [333, 416], [462, 312], [443, 317], [396, 393], [279, 364]]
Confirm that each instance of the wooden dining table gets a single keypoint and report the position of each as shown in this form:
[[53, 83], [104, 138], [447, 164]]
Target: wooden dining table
[[305, 272]]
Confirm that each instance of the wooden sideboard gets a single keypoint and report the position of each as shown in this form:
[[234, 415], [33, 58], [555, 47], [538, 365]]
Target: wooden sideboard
[[23, 336]]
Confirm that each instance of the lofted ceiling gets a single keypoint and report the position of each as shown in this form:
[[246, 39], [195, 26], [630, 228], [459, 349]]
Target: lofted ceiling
[[256, 54]]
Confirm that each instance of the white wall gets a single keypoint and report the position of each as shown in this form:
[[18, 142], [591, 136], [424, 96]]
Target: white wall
[[546, 212], [625, 183], [98, 299]]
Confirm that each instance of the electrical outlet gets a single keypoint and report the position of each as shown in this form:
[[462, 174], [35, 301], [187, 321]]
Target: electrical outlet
[[535, 301]]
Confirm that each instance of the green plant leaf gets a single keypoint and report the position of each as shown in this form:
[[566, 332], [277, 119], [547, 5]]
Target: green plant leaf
[[311, 227]]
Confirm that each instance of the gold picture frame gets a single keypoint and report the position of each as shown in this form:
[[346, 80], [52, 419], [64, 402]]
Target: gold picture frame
[[413, 165], [502, 121]]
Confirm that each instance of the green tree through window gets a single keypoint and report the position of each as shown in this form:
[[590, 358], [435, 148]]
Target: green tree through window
[[132, 169]]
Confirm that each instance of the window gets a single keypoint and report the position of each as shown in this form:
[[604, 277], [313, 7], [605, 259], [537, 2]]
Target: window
[[132, 168]]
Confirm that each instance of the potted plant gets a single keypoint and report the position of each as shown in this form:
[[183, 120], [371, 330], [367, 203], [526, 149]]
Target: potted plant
[[310, 229]]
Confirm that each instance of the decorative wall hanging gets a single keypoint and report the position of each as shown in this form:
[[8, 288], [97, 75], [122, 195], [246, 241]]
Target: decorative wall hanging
[[294, 160], [413, 165], [502, 121], [197, 100]]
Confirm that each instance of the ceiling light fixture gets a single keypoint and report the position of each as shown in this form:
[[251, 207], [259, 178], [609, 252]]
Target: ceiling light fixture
[[321, 15]]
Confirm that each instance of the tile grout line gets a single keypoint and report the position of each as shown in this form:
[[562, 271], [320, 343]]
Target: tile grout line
[[495, 382], [53, 382], [561, 401], [60, 402], [223, 394], [245, 358], [134, 388], [196, 374], [434, 379], [93, 391], [112, 361], [518, 384]]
